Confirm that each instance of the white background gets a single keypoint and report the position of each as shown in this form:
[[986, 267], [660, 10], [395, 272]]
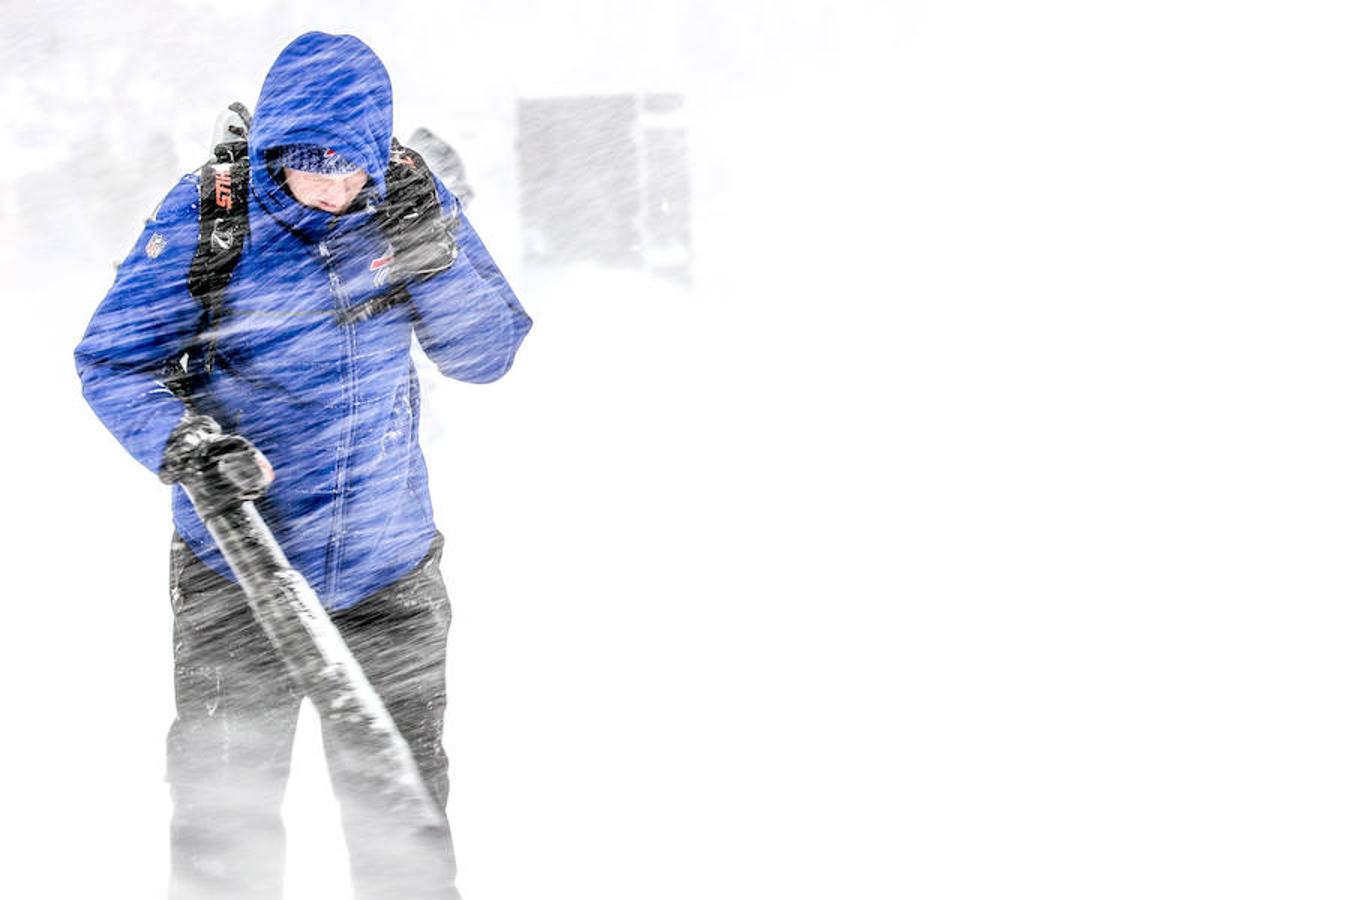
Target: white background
[[974, 526]]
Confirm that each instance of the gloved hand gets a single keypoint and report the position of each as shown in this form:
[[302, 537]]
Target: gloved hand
[[426, 247], [225, 465], [413, 221]]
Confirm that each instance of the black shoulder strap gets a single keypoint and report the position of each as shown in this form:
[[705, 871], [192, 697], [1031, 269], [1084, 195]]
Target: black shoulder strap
[[223, 229], [223, 225]]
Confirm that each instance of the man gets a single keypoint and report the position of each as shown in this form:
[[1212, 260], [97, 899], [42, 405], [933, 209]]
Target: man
[[308, 360]]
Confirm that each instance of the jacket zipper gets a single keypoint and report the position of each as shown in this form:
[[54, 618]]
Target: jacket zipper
[[337, 532]]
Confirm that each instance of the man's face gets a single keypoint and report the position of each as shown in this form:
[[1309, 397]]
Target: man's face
[[331, 193]]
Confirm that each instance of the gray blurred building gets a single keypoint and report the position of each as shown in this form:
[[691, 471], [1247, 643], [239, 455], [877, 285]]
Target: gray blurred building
[[605, 179]]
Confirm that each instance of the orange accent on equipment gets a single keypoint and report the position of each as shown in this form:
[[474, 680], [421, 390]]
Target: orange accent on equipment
[[224, 196]]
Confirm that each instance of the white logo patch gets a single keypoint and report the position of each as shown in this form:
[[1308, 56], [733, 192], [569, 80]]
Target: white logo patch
[[155, 246]]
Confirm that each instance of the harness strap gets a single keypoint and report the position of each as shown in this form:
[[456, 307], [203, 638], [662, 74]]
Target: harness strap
[[220, 241]]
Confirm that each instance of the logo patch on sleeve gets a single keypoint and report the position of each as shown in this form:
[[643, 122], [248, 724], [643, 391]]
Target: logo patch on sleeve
[[155, 246]]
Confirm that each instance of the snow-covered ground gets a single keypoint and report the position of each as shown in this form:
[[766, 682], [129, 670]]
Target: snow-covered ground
[[973, 526]]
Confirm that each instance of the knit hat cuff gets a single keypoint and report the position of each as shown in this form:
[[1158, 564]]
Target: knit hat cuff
[[315, 159]]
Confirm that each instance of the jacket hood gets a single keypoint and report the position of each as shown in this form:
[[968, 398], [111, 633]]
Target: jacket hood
[[329, 90]]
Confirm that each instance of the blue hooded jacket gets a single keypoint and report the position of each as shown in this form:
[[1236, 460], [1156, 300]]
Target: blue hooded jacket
[[333, 406]]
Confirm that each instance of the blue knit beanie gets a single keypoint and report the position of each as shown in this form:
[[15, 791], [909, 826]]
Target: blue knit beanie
[[315, 159]]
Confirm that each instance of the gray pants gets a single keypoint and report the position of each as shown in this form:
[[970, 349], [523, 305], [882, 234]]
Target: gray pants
[[229, 748]]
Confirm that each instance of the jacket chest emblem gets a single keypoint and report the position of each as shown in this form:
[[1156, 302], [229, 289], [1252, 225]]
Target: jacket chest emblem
[[380, 266]]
